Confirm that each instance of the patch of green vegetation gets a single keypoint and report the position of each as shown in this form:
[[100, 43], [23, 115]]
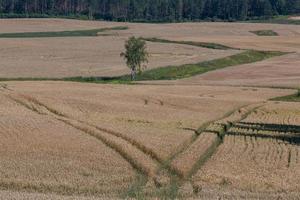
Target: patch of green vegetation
[[169, 191], [188, 70], [289, 98], [281, 19], [125, 79], [135, 191], [265, 33], [75, 33], [198, 44], [171, 72]]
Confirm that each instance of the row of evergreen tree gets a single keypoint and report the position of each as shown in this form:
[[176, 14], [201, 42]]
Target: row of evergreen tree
[[153, 10]]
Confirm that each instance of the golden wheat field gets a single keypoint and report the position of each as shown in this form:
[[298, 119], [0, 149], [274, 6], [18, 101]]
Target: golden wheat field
[[217, 135], [259, 155]]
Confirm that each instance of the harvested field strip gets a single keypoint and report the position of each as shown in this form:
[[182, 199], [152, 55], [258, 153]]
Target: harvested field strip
[[197, 44], [171, 72], [137, 158], [75, 33]]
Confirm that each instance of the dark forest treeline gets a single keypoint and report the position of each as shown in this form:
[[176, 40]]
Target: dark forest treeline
[[152, 10]]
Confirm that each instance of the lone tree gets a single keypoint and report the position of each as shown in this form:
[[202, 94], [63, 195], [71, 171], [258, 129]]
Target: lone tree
[[135, 55]]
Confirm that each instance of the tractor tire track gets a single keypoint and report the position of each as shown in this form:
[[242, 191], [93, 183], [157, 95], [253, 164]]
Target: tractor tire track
[[138, 156]]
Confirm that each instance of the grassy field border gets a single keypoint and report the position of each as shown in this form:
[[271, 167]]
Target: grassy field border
[[208, 45], [74, 33], [290, 98], [265, 33], [170, 72]]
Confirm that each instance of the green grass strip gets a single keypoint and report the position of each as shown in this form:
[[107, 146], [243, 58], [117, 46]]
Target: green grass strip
[[265, 33], [171, 72], [188, 70], [198, 44], [289, 98], [75, 33]]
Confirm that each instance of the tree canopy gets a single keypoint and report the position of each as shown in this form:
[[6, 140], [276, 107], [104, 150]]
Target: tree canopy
[[135, 55], [152, 10]]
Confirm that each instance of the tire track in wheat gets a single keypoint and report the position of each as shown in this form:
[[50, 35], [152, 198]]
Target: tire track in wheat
[[139, 157]]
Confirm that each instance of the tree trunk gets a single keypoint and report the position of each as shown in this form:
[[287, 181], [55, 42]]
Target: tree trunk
[[133, 75]]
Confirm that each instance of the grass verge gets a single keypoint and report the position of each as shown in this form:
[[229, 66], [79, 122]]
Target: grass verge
[[75, 33], [264, 33], [198, 44], [289, 98]]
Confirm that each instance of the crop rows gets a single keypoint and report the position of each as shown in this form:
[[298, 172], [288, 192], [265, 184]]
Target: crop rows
[[285, 136], [269, 127], [197, 152], [253, 163], [41, 154], [204, 146], [276, 115], [138, 157]]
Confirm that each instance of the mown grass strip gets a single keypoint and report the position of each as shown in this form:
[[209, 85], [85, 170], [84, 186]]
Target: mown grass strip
[[75, 33], [289, 98], [197, 44], [265, 33]]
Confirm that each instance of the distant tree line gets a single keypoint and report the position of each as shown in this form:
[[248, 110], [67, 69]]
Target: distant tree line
[[152, 10]]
